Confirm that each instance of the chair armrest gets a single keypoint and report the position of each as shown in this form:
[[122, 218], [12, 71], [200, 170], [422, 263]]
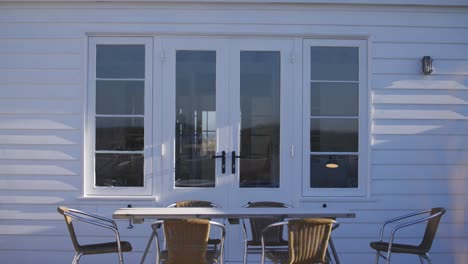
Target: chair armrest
[[285, 223], [98, 217], [399, 218], [414, 222], [223, 234]]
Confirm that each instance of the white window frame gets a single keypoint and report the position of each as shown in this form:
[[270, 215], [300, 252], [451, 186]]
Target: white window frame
[[90, 130], [363, 132]]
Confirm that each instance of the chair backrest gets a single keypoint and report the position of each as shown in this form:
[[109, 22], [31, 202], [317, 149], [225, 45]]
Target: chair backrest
[[308, 240], [186, 240], [68, 220], [194, 203], [273, 236], [431, 228]]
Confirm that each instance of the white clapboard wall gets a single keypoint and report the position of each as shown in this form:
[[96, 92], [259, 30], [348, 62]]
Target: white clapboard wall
[[419, 125]]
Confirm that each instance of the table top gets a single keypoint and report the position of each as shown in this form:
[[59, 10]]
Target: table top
[[231, 213]]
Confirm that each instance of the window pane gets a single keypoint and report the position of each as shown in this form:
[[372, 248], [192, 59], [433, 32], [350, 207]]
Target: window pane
[[260, 119], [119, 170], [333, 135], [120, 61], [119, 133], [344, 176], [334, 99], [120, 97], [195, 127], [334, 63]]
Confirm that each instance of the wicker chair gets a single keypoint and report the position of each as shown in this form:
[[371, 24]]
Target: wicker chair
[[307, 241], [118, 246], [274, 238], [187, 241], [186, 203], [422, 250]]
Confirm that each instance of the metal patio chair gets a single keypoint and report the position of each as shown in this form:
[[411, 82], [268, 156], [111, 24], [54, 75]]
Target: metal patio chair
[[187, 241], [185, 203], [422, 250], [274, 238], [118, 246], [307, 241]]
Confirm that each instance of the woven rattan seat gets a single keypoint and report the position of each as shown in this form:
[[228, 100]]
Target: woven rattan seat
[[187, 241], [307, 241]]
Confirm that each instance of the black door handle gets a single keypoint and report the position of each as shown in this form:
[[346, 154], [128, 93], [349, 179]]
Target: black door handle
[[233, 161], [223, 161]]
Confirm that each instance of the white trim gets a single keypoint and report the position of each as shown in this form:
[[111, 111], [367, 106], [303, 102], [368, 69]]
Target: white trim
[[335, 2], [363, 116], [89, 173]]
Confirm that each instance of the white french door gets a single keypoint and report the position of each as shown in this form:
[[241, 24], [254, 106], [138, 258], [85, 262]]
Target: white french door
[[227, 120]]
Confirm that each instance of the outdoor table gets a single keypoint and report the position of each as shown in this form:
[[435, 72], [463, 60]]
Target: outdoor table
[[137, 215]]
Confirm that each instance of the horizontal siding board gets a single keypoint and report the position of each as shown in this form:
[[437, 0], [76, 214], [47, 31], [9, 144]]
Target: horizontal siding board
[[423, 127], [420, 157], [452, 218], [41, 46], [40, 61], [413, 66], [40, 122], [38, 91], [39, 167], [418, 96], [40, 106], [414, 171], [430, 142], [381, 34], [38, 137], [154, 15], [418, 202], [41, 76], [416, 187], [43, 183], [438, 52], [419, 81], [401, 111], [40, 153]]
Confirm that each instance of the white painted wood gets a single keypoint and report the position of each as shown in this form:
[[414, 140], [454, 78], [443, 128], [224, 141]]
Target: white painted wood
[[415, 96], [430, 142], [40, 91], [419, 126], [418, 151]]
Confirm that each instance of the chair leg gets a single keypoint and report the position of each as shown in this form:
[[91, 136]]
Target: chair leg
[[377, 256], [333, 250], [148, 245], [426, 257], [76, 258], [245, 254]]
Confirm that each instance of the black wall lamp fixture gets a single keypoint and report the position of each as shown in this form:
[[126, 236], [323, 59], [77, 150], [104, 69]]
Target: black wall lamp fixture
[[427, 65]]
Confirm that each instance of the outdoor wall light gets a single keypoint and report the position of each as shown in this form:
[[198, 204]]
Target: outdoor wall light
[[427, 65], [332, 163]]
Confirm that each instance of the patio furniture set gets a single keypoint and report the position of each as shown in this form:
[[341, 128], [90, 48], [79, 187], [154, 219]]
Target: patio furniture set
[[187, 230]]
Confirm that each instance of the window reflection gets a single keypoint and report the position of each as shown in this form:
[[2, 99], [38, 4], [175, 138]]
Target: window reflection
[[260, 119], [196, 118]]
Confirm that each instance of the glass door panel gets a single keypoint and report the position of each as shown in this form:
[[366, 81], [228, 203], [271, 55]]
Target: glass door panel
[[260, 119], [195, 126]]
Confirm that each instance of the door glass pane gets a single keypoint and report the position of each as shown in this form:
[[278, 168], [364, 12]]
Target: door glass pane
[[333, 135], [195, 128], [120, 97], [260, 119], [334, 63], [334, 99], [120, 61], [120, 133], [119, 170], [343, 175]]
